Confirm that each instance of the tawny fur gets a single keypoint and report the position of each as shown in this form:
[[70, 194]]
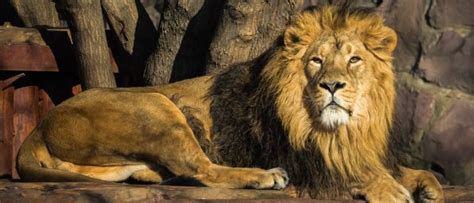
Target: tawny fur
[[362, 144]]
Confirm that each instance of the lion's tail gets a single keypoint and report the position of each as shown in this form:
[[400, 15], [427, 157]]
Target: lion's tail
[[34, 158]]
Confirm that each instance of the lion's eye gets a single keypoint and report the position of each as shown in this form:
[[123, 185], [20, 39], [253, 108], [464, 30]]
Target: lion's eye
[[317, 60], [354, 59]]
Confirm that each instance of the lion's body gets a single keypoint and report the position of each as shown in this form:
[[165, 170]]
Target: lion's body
[[271, 112]]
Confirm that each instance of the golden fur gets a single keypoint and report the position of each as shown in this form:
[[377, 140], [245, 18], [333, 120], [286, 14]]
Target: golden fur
[[319, 104], [364, 140]]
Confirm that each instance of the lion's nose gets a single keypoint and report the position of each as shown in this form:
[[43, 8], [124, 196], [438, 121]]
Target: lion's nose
[[332, 86]]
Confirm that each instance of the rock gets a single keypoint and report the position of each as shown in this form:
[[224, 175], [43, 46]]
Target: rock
[[449, 144], [414, 109], [114, 192], [405, 17], [449, 62], [445, 13]]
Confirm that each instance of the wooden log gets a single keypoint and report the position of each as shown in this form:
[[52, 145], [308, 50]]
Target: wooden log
[[90, 45], [37, 12], [6, 120], [174, 22], [135, 32], [26, 49], [110, 192], [25, 119], [116, 192], [247, 28], [8, 82]]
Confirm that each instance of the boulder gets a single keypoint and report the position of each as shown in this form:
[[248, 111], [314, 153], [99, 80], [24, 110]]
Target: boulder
[[449, 144]]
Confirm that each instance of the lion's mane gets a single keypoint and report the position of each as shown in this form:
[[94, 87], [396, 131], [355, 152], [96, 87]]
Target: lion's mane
[[262, 119]]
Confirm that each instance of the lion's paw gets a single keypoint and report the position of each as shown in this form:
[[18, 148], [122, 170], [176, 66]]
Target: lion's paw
[[275, 178], [386, 192], [429, 194]]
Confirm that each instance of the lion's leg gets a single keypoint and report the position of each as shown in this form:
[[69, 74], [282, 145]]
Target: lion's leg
[[229, 177], [106, 173], [180, 153], [170, 142], [147, 175], [422, 184], [381, 188]]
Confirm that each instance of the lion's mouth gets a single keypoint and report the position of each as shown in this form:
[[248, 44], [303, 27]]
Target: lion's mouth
[[334, 115], [334, 105]]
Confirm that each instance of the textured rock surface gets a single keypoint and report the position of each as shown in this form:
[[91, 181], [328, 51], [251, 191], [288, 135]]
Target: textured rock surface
[[445, 13], [113, 192], [450, 62], [450, 143], [434, 62]]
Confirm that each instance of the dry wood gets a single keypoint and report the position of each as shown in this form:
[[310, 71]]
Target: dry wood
[[37, 12], [113, 192], [191, 58], [6, 144], [25, 119], [134, 29], [174, 21], [248, 28], [90, 46], [130, 22]]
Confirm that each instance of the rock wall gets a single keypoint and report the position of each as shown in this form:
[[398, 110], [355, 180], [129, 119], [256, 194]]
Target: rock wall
[[434, 62]]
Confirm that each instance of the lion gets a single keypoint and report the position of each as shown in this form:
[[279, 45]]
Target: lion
[[314, 111]]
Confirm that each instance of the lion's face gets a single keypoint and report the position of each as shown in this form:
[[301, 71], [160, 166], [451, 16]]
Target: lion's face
[[333, 76], [336, 67]]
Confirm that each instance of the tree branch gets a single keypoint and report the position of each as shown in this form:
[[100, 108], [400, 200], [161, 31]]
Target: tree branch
[[37, 12], [248, 28], [90, 46], [174, 22]]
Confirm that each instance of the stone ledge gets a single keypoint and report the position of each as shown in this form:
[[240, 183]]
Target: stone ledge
[[115, 192]]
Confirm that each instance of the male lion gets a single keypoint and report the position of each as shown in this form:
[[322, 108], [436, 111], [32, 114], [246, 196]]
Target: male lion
[[319, 104]]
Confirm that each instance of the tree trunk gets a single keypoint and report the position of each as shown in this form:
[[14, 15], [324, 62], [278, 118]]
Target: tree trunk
[[90, 46], [37, 12], [134, 29], [174, 21], [191, 58], [248, 28]]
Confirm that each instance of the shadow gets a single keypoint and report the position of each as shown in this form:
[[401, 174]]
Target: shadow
[[131, 66], [191, 58], [57, 85], [8, 14]]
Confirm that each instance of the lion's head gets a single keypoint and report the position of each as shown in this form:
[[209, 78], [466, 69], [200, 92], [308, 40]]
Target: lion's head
[[336, 86]]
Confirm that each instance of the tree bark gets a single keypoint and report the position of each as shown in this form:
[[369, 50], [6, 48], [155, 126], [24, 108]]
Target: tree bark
[[174, 21], [37, 12], [134, 29], [90, 46], [248, 28], [191, 58]]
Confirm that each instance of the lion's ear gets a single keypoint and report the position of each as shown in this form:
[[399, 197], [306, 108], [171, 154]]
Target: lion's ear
[[381, 41], [389, 40]]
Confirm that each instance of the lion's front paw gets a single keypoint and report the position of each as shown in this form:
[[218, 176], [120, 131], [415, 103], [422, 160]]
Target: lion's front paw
[[429, 191], [423, 184], [275, 178], [385, 191]]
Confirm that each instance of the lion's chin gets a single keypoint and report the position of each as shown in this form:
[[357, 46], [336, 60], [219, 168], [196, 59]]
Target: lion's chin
[[333, 117]]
